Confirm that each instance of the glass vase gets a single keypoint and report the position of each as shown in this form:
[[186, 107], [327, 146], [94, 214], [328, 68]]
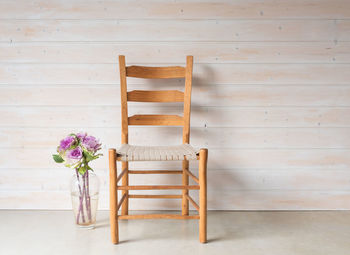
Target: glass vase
[[84, 193]]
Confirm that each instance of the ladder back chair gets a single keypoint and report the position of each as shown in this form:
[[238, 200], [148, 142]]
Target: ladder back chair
[[183, 152]]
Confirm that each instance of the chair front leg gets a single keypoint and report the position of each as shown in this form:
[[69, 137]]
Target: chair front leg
[[113, 195], [203, 156]]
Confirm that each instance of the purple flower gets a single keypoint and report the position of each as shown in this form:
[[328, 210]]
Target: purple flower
[[66, 143], [81, 135], [73, 156], [91, 143]]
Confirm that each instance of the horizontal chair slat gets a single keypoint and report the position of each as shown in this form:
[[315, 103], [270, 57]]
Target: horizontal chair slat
[[156, 120], [120, 158], [157, 187], [155, 72], [155, 96], [157, 216], [155, 172], [155, 196]]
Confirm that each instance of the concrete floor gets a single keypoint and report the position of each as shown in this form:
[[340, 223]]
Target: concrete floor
[[280, 233]]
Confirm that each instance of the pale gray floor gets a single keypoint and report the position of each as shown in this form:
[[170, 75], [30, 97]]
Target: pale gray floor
[[280, 233]]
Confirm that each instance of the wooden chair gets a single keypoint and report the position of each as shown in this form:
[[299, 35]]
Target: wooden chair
[[183, 152]]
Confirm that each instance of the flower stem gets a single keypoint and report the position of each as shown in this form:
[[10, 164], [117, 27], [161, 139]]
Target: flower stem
[[85, 194], [81, 197], [88, 194]]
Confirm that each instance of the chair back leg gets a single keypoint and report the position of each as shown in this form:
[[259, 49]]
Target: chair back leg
[[185, 165], [203, 157], [125, 182]]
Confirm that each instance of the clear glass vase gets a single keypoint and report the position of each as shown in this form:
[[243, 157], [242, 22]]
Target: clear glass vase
[[84, 192]]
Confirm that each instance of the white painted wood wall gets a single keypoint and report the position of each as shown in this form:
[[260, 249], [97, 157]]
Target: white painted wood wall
[[271, 96]]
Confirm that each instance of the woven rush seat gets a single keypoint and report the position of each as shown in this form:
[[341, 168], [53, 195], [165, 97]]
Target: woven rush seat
[[157, 153]]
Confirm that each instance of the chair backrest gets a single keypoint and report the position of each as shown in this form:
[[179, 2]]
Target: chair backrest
[[156, 96]]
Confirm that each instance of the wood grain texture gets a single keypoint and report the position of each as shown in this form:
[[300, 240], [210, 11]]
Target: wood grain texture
[[172, 30], [246, 74], [123, 100], [156, 96], [155, 72], [78, 117], [202, 169], [169, 72], [187, 100], [230, 137], [270, 97], [156, 120], [113, 196], [185, 181], [194, 9], [125, 182], [163, 52], [220, 159], [204, 94], [344, 26], [297, 179]]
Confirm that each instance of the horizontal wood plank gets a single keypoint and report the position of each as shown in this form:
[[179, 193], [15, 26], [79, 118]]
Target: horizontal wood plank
[[92, 74], [238, 138], [202, 95], [270, 100], [344, 26], [274, 117], [172, 30], [163, 52], [299, 179], [226, 9], [220, 159], [109, 117]]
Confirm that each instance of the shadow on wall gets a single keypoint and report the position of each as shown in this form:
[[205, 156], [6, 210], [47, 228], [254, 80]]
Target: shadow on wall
[[221, 183]]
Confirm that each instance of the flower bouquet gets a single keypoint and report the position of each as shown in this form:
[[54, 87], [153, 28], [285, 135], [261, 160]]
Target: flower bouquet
[[76, 151]]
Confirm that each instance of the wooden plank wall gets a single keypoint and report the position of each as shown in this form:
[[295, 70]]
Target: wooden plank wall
[[271, 96]]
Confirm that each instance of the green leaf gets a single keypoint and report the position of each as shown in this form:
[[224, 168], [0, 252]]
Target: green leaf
[[82, 170], [57, 158], [88, 156]]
